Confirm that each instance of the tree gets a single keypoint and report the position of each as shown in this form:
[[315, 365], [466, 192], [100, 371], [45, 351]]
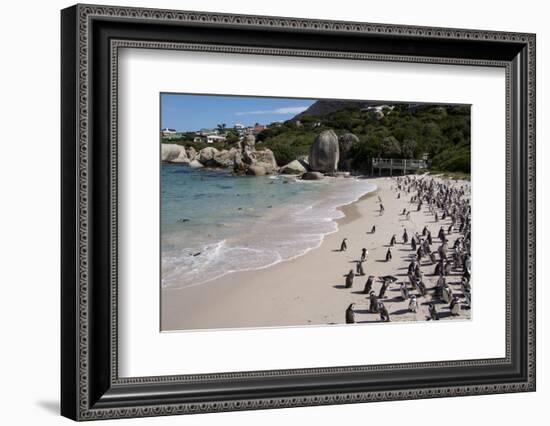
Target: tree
[[390, 147], [408, 149]]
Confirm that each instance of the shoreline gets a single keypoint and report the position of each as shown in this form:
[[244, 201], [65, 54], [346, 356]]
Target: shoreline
[[308, 289], [349, 214]]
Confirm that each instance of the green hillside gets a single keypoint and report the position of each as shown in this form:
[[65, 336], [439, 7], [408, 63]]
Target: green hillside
[[399, 131]]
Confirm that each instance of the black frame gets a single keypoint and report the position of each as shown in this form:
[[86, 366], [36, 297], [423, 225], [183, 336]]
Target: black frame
[[91, 388]]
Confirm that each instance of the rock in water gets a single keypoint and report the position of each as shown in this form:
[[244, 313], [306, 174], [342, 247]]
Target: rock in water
[[206, 156], [264, 158], [225, 158], [295, 167], [325, 152], [196, 164], [312, 176], [255, 170], [173, 153], [346, 143]]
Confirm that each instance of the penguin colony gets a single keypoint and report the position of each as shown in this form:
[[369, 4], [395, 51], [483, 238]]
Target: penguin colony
[[441, 259]]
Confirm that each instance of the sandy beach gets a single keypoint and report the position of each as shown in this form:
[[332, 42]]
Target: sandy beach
[[309, 290]]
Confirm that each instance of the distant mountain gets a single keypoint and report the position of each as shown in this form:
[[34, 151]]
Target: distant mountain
[[324, 107]]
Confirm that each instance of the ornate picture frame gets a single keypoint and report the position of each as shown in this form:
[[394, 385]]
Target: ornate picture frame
[[91, 386]]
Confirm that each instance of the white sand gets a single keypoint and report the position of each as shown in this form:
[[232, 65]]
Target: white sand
[[310, 289]]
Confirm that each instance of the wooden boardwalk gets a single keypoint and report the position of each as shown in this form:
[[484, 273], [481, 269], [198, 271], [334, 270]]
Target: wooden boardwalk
[[399, 165]]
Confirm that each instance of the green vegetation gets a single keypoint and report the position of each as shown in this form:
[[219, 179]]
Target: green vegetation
[[441, 132]]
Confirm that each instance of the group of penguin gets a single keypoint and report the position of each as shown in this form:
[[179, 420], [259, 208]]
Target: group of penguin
[[453, 203]]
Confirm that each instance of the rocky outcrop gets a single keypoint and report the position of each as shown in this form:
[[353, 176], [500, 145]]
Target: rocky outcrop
[[196, 164], [255, 170], [295, 167], [191, 153], [325, 152], [207, 157], [173, 153], [346, 143], [225, 158], [264, 158], [248, 142], [312, 176]]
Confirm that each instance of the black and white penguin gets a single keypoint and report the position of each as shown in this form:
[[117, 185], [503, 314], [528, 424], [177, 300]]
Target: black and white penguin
[[368, 285], [384, 314], [349, 278], [454, 307], [344, 245], [359, 268], [434, 315], [373, 307], [383, 289], [413, 304], [388, 255], [350, 315]]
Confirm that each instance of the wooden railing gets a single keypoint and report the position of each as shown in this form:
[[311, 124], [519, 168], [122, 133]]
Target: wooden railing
[[399, 164]]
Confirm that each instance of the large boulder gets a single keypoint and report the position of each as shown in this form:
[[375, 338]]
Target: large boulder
[[249, 141], [225, 158], [255, 170], [206, 156], [346, 143], [295, 167], [325, 152], [196, 164], [264, 158], [312, 176], [173, 153]]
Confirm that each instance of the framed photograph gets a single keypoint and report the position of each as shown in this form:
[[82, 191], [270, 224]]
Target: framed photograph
[[263, 212]]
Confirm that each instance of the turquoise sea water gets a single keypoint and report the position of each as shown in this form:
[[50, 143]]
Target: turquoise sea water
[[213, 223]]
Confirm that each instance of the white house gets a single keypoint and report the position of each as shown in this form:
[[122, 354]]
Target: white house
[[214, 138]]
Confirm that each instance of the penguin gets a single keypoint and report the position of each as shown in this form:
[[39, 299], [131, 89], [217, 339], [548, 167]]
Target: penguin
[[383, 289], [349, 278], [408, 215], [454, 307], [468, 297], [364, 254], [373, 307], [422, 288], [388, 255], [373, 229], [413, 243], [413, 305], [368, 285], [436, 218], [350, 315], [381, 208], [434, 315], [405, 237], [403, 212], [384, 314], [447, 294], [404, 291], [393, 240], [344, 245], [359, 268]]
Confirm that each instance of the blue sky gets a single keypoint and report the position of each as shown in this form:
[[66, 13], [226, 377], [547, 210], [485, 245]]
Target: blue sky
[[193, 112]]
